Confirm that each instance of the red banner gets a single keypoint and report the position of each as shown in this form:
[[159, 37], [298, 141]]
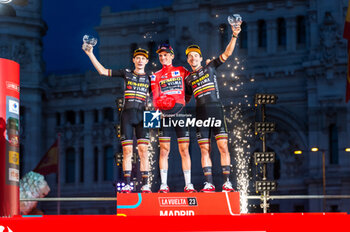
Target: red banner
[[9, 138]]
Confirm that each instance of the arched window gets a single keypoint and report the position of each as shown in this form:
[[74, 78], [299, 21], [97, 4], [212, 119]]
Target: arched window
[[108, 163], [108, 114], [58, 119], [70, 117], [301, 30], [81, 164], [70, 165], [96, 164], [81, 116], [281, 32], [223, 36], [95, 116], [262, 34], [333, 144], [243, 36]]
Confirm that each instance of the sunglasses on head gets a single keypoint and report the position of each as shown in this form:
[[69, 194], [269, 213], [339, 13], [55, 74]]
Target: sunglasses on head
[[194, 46], [164, 45], [141, 50]]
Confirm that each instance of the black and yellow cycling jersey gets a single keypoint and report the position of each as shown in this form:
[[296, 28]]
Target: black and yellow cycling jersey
[[137, 88], [203, 83]]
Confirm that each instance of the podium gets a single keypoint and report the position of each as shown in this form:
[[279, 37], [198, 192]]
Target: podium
[[178, 204]]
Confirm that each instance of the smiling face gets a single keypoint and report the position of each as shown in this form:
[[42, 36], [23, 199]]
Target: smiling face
[[140, 62], [166, 58], [194, 60]]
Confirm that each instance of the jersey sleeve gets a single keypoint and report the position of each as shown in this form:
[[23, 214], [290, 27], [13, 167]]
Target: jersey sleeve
[[155, 90], [116, 73], [216, 62], [188, 91]]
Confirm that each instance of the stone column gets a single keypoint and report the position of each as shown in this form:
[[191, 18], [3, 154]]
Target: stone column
[[271, 27], [77, 163], [89, 148], [252, 38], [291, 34], [100, 163]]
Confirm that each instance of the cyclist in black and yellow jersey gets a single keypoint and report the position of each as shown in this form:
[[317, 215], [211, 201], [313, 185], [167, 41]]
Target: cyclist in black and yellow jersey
[[202, 83], [137, 89]]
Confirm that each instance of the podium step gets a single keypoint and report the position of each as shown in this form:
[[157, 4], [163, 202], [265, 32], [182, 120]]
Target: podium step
[[178, 204]]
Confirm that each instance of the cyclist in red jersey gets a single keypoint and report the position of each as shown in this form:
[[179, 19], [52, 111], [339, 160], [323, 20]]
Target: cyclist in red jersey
[[168, 91]]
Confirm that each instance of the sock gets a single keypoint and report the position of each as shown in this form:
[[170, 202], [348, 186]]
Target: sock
[[226, 171], [164, 175], [144, 175], [187, 175], [208, 174], [127, 177]]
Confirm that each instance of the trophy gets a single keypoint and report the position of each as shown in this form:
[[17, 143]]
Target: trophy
[[89, 41], [234, 20]]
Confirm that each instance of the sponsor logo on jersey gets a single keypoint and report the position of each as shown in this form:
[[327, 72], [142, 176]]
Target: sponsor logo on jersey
[[153, 77], [175, 73]]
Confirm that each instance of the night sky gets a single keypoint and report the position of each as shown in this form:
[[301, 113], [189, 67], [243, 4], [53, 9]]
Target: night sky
[[69, 20]]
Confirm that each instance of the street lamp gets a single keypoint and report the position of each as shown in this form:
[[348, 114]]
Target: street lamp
[[315, 149]]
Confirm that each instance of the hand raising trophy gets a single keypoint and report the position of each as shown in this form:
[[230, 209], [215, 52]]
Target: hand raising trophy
[[89, 42], [234, 20]]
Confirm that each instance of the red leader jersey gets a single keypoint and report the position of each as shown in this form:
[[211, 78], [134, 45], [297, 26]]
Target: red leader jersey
[[169, 81]]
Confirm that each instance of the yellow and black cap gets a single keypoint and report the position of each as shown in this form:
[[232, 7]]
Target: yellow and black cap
[[193, 48], [166, 48], [141, 52]]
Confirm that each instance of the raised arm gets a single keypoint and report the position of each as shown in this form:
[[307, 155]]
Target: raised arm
[[99, 67], [231, 46]]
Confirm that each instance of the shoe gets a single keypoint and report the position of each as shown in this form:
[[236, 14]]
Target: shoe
[[227, 187], [189, 189], [126, 189], [164, 188], [146, 189], [208, 188]]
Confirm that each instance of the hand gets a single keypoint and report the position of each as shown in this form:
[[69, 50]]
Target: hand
[[237, 29], [207, 61], [87, 48]]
